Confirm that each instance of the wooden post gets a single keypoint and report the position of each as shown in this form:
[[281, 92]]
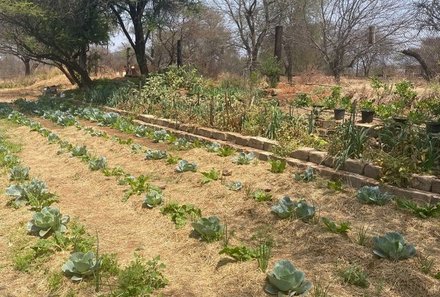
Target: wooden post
[[278, 42], [372, 35], [179, 53]]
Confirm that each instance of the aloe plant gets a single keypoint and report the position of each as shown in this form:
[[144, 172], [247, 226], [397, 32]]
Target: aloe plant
[[286, 280], [155, 155], [184, 166], [154, 197], [372, 195], [19, 173], [81, 265], [48, 220], [392, 246], [243, 158], [209, 228]]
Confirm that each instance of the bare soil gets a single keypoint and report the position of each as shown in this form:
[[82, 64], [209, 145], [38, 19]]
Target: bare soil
[[195, 268]]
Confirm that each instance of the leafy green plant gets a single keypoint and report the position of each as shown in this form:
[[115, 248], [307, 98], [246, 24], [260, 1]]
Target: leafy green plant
[[225, 151], [97, 163], [138, 185], [239, 253], [81, 265], [19, 173], [34, 193], [115, 171], [372, 195], [307, 176], [286, 280], [210, 229], [48, 220], [392, 246], [243, 158], [335, 185], [422, 211], [53, 138], [154, 197], [179, 214], [210, 176], [184, 166], [302, 100], [333, 227], [303, 211], [235, 186], [355, 275], [271, 68], [261, 195], [172, 160], [140, 278], [277, 166], [155, 155]]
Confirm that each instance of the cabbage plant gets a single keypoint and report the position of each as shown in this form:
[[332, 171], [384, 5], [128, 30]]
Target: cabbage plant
[[286, 280], [160, 136], [372, 195], [97, 163], [209, 228], [392, 246], [243, 158], [154, 197], [33, 192], [235, 186], [48, 220], [19, 173], [79, 151], [81, 265], [182, 144], [184, 166], [286, 208], [213, 147], [155, 155]]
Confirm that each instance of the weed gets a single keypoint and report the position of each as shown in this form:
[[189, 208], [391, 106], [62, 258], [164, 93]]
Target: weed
[[210, 176], [264, 253], [55, 281], [362, 236], [225, 151], [261, 196], [277, 166], [172, 160], [355, 275], [23, 259], [333, 227], [422, 211], [426, 264], [140, 278], [109, 264], [179, 214], [319, 290]]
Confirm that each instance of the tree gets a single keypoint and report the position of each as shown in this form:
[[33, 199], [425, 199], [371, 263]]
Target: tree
[[252, 20], [143, 17], [344, 24], [57, 32]]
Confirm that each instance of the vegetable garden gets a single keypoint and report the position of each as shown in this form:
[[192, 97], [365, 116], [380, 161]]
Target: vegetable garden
[[100, 205]]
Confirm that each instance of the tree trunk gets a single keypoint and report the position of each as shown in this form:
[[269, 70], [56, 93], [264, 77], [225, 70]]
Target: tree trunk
[[27, 66], [427, 72]]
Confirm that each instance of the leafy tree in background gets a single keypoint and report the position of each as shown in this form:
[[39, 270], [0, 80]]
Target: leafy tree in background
[[58, 32], [142, 18]]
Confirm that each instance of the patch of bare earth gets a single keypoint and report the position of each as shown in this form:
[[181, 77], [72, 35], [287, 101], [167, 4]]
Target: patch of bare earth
[[195, 268]]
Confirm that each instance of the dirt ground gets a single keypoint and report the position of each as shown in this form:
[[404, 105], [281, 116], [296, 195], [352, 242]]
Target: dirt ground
[[195, 268]]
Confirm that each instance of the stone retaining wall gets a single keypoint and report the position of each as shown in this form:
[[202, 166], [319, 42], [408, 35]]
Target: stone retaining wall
[[356, 173]]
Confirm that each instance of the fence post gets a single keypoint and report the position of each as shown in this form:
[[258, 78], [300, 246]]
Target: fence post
[[278, 42], [179, 53]]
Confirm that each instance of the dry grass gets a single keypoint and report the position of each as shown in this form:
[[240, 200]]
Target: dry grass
[[195, 268]]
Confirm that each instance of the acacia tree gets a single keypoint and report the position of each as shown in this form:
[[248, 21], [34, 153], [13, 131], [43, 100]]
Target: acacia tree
[[56, 32], [142, 17], [252, 20], [343, 26]]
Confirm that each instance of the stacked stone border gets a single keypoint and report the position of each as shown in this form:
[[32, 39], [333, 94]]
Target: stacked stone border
[[355, 173]]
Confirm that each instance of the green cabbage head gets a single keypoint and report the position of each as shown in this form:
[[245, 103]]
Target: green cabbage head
[[81, 265], [48, 220], [392, 246], [286, 280]]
